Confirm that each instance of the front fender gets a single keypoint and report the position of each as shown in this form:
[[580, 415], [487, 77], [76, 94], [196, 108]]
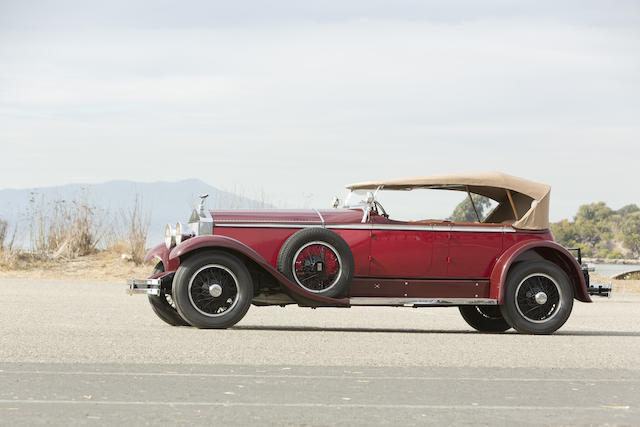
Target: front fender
[[233, 245], [161, 253], [571, 266]]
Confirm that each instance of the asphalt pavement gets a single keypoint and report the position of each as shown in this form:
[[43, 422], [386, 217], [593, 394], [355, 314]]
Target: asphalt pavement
[[86, 353]]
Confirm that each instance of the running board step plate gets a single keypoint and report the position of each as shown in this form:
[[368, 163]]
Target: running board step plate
[[421, 302]]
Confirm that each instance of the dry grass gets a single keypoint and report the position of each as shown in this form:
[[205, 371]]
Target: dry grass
[[64, 229], [128, 234], [107, 265], [6, 242], [74, 240], [68, 229]]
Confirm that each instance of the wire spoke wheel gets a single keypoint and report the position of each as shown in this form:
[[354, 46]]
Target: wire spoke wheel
[[163, 305], [538, 298], [317, 266], [318, 261], [484, 318], [213, 290], [491, 312]]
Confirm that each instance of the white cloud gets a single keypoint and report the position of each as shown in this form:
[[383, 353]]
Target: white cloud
[[307, 107]]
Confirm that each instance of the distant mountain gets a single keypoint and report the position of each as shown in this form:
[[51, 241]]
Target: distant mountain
[[165, 202]]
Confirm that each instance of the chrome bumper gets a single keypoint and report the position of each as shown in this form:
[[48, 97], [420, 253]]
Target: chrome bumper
[[144, 286], [600, 290]]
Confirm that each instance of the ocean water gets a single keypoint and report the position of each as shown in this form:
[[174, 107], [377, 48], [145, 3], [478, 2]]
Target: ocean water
[[609, 270]]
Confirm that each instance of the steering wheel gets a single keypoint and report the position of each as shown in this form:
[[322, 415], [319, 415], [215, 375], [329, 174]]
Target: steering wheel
[[379, 209]]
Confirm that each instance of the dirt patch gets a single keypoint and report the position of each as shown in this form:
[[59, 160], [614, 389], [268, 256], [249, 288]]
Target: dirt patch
[[104, 266], [619, 286]]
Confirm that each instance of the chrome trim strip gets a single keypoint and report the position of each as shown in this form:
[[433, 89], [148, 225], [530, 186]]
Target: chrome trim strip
[[430, 227], [413, 302], [472, 229], [390, 227], [243, 221], [268, 225], [350, 226], [320, 215]]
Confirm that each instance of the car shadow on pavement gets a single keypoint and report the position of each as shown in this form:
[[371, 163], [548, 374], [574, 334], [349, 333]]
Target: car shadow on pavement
[[424, 331], [365, 330], [598, 333]]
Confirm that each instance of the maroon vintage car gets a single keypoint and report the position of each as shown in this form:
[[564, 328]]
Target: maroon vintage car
[[503, 269]]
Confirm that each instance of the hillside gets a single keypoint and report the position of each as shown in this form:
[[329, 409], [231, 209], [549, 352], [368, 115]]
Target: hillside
[[163, 202], [601, 231]]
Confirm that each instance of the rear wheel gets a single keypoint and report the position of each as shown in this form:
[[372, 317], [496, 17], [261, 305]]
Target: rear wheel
[[484, 318], [212, 290], [163, 305], [538, 298]]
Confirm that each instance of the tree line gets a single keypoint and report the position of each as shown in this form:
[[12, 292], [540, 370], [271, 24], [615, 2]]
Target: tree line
[[597, 230], [601, 231]]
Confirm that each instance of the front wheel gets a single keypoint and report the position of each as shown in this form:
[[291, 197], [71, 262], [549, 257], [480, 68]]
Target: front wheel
[[212, 290], [163, 305], [538, 298], [484, 318]]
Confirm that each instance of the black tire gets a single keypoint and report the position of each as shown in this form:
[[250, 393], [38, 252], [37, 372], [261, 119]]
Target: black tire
[[538, 298], [163, 306], [484, 318], [196, 283], [318, 260]]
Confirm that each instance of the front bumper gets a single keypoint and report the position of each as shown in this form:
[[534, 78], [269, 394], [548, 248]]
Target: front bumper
[[144, 286]]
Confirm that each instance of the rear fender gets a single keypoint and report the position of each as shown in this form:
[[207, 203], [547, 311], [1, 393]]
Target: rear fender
[[543, 249], [232, 245]]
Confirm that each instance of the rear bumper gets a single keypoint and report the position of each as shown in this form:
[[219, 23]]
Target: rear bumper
[[601, 290], [144, 286]]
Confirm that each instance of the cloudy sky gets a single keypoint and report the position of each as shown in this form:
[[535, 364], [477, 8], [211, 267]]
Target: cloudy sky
[[298, 98]]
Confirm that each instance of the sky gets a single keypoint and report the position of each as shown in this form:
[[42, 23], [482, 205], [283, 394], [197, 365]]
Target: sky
[[296, 99]]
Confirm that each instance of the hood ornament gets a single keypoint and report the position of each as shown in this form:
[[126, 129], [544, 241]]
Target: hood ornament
[[201, 204]]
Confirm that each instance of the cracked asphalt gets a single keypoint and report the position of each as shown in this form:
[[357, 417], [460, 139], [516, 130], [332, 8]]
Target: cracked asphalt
[[78, 353]]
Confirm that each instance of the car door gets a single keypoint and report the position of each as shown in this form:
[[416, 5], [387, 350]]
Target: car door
[[473, 250], [400, 249]]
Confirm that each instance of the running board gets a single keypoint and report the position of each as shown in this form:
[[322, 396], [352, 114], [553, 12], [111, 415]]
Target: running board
[[421, 302]]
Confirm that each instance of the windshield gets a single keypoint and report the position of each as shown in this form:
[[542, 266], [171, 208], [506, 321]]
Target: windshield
[[356, 199], [425, 204]]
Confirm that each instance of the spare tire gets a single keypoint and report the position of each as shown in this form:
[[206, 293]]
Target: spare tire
[[318, 260]]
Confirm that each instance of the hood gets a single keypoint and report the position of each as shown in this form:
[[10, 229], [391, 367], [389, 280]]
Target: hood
[[288, 216]]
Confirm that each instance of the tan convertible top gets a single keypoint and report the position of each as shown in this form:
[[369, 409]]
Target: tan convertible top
[[522, 203]]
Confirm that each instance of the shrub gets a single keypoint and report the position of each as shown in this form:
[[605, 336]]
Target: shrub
[[64, 228], [128, 233]]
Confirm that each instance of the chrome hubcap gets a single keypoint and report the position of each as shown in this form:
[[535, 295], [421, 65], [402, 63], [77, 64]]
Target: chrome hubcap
[[541, 298], [216, 290]]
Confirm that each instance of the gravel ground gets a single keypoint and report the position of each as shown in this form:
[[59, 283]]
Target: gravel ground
[[77, 352], [57, 321]]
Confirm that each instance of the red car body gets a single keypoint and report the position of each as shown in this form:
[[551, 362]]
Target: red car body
[[502, 271], [392, 258]]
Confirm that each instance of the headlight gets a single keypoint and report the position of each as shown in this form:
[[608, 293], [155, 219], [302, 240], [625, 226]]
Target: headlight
[[169, 236], [182, 231]]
